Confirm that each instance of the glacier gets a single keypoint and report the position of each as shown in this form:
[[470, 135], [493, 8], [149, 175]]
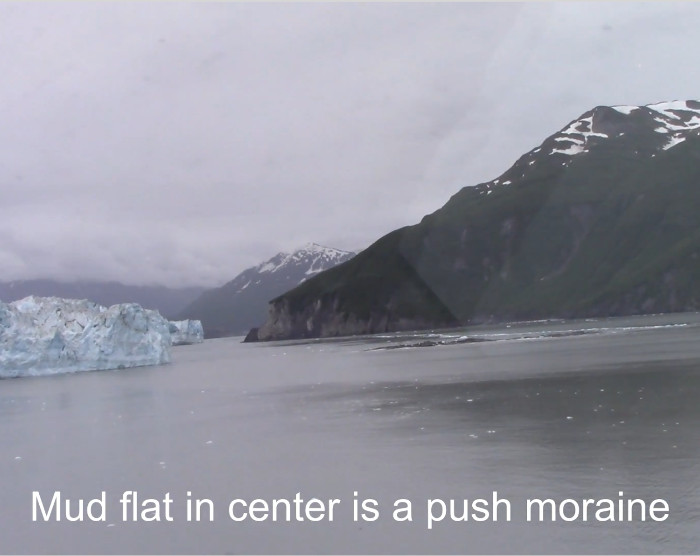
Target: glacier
[[184, 332], [50, 335]]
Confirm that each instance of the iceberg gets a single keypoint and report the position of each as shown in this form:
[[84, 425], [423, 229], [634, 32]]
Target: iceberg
[[50, 335], [184, 332]]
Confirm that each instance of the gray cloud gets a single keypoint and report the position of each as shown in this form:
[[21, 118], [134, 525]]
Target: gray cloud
[[179, 143]]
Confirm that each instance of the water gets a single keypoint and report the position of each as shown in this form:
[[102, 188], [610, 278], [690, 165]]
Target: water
[[547, 409]]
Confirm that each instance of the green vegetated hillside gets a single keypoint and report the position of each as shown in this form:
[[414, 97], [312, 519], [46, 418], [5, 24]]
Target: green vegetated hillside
[[602, 219]]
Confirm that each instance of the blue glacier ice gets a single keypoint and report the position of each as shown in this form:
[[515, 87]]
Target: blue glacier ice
[[185, 332], [49, 335]]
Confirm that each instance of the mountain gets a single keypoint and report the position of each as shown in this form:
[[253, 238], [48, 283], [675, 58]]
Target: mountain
[[241, 303], [167, 301], [603, 218]]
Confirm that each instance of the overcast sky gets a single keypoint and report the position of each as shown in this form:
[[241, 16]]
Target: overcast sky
[[180, 143]]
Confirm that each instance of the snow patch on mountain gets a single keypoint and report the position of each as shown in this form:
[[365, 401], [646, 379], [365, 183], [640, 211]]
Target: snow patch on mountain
[[573, 149], [677, 115], [577, 134], [673, 142], [671, 109], [627, 110], [583, 128], [676, 120], [244, 286]]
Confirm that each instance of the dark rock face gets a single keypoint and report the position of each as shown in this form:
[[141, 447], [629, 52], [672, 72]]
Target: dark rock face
[[602, 219], [252, 335]]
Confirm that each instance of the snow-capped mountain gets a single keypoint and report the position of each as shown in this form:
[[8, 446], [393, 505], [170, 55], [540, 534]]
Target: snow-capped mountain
[[242, 303], [296, 267], [672, 121], [639, 131], [602, 218]]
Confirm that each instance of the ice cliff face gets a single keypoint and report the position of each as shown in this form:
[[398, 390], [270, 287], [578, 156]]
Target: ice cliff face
[[184, 332], [40, 336]]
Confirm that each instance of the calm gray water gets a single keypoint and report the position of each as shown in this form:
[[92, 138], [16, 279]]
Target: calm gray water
[[562, 410]]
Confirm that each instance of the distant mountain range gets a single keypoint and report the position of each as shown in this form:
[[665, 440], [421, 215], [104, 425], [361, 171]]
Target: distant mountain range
[[242, 303], [168, 301], [603, 218]]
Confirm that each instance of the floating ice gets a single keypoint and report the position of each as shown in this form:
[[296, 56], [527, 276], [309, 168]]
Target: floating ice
[[185, 332]]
